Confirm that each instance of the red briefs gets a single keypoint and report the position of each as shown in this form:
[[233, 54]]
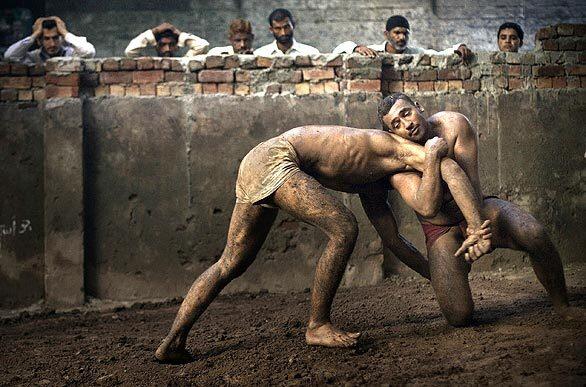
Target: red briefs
[[433, 232]]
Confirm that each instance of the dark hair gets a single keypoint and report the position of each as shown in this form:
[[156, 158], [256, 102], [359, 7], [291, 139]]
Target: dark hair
[[281, 14], [167, 34], [238, 26], [397, 21], [387, 103], [514, 26], [49, 24]]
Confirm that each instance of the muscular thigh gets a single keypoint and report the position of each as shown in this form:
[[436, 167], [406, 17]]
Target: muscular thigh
[[510, 223], [249, 227]]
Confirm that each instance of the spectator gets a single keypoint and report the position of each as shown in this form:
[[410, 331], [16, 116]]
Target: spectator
[[51, 34], [510, 37], [397, 33], [166, 39], [282, 26], [240, 36]]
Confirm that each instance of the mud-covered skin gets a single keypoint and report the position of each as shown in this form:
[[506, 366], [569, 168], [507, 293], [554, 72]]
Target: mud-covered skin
[[512, 227]]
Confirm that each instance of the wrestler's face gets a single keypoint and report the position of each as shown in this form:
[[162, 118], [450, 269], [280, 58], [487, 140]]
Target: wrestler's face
[[406, 120]]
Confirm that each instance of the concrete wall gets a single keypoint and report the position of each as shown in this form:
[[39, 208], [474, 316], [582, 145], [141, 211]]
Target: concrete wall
[[435, 23]]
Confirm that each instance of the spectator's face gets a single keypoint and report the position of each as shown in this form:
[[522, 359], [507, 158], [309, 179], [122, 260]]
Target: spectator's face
[[282, 30], [398, 37], [167, 47], [509, 40], [51, 41], [242, 43], [405, 120]]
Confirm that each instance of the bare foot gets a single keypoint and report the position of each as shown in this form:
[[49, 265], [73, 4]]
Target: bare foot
[[330, 336], [167, 353], [571, 313]]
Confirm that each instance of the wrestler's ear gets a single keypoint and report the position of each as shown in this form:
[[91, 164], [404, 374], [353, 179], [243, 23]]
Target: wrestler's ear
[[418, 106]]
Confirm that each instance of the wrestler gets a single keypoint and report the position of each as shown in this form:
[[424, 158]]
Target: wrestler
[[291, 172], [442, 220]]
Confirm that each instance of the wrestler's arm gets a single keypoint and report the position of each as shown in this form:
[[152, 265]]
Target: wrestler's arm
[[466, 151], [380, 215]]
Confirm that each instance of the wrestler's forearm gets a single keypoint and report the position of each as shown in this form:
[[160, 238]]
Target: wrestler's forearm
[[428, 197], [462, 191], [409, 255]]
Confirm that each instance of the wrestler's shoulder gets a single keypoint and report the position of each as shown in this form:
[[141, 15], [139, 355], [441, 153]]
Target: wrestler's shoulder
[[449, 117]]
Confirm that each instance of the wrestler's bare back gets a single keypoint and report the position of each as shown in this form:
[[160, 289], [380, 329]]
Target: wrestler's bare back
[[346, 159]]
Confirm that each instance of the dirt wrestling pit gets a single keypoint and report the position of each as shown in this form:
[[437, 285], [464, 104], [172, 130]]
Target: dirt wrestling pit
[[251, 339]]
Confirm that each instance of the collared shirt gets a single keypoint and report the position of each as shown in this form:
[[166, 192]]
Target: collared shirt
[[77, 46], [349, 46], [296, 49], [226, 50], [195, 44]]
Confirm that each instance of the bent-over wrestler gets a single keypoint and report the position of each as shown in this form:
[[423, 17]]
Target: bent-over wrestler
[[442, 221], [291, 172]]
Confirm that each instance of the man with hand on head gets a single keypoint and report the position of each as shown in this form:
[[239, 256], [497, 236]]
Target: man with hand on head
[[282, 26], [51, 34], [510, 37], [397, 34], [167, 40], [240, 36]]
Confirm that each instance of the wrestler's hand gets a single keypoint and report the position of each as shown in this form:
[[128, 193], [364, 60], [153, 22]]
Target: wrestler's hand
[[437, 146], [477, 243]]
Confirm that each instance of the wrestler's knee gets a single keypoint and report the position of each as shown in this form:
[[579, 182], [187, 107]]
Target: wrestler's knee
[[344, 229], [231, 268], [459, 315]]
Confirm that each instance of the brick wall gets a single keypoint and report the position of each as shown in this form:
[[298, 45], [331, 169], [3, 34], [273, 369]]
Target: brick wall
[[559, 62]]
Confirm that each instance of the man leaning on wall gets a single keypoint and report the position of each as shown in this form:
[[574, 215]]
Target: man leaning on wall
[[166, 39], [397, 34], [240, 36], [282, 26], [51, 34]]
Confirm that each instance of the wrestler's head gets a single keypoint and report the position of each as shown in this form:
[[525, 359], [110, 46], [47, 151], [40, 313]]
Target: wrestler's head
[[400, 115]]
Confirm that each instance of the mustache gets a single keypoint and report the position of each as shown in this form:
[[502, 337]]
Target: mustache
[[284, 38]]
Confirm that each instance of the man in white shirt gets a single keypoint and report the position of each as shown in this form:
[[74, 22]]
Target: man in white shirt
[[51, 34], [167, 40], [282, 26], [397, 39], [240, 36]]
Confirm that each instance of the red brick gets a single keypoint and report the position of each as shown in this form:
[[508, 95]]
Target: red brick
[[132, 90], [226, 88], [296, 77], [197, 89], [116, 77], [216, 76], [447, 74], [18, 69], [390, 74], [316, 74], [242, 90], [163, 90], [117, 90], [171, 76], [15, 82], [126, 64], [410, 87], [8, 95], [573, 82], [53, 91], [370, 85], [565, 29], [148, 88], [395, 86], [548, 71], [110, 65], [471, 84], [545, 33], [62, 79], [549, 45], [242, 76], [316, 88], [558, 82], [214, 61], [25, 95], [39, 95], [455, 85], [576, 70], [543, 83], [210, 88], [151, 76], [514, 71], [4, 68], [302, 88], [331, 87], [145, 63], [264, 62], [426, 86], [515, 83], [38, 81], [441, 86], [424, 75], [302, 61]]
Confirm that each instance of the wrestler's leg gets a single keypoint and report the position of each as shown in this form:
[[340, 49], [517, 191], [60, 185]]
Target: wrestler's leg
[[515, 229], [449, 279], [249, 227], [303, 197]]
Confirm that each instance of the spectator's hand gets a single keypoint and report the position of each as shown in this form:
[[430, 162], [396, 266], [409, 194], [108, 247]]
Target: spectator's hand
[[365, 51], [164, 27], [465, 53], [61, 28], [38, 28], [436, 145]]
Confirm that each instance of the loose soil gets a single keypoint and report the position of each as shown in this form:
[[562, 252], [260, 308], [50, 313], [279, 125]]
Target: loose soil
[[251, 339]]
